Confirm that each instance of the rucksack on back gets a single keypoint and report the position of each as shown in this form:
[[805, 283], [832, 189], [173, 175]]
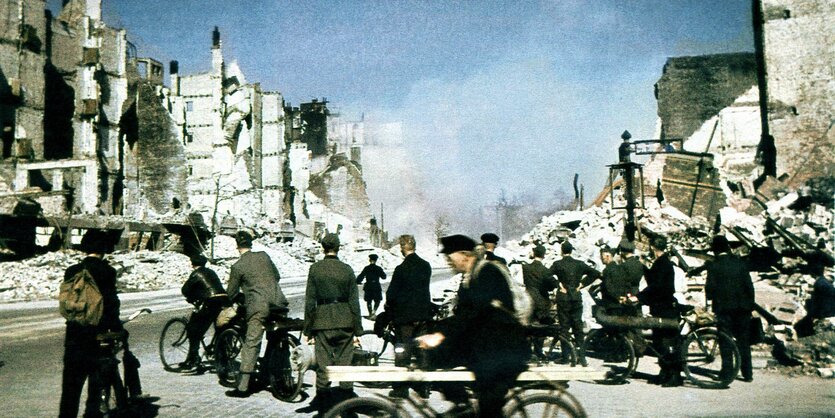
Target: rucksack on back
[[522, 304], [80, 300]]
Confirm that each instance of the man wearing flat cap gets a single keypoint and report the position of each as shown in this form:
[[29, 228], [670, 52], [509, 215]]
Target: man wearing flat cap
[[332, 318], [572, 274], [254, 278], [490, 242], [539, 282], [483, 334], [372, 274]]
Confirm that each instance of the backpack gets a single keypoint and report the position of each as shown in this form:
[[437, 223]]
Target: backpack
[[79, 299], [522, 304]]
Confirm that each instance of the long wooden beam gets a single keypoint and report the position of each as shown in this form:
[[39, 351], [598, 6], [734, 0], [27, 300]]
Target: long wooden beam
[[555, 373]]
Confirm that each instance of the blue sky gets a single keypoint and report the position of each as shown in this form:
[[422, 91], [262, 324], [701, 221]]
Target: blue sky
[[514, 95]]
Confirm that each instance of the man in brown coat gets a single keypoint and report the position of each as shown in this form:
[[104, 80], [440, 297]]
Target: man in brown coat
[[332, 318]]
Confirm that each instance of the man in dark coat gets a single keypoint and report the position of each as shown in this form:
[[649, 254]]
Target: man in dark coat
[[539, 282], [483, 334], [409, 303], [615, 284], [204, 290], [490, 241], [821, 302], [572, 274], [631, 265], [729, 288], [658, 295], [81, 350], [372, 274], [255, 278], [332, 317]]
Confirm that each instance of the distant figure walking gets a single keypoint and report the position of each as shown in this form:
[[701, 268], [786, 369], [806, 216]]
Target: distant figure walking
[[372, 274]]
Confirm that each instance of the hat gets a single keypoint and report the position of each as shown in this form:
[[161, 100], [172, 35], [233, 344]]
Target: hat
[[243, 239], [373, 257], [626, 246], [198, 260], [330, 242], [539, 251], [720, 245], [566, 247], [659, 243], [455, 243], [490, 238], [95, 241], [608, 250]]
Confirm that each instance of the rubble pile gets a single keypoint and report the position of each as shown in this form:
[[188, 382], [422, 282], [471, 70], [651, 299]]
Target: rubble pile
[[812, 355]]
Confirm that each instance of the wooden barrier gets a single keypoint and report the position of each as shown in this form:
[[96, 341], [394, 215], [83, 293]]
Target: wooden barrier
[[554, 373]]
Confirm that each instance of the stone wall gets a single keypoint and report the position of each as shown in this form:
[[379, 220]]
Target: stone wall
[[799, 46], [691, 90], [342, 189], [691, 184]]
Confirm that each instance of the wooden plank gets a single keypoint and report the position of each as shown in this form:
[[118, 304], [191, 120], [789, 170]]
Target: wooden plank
[[403, 374]]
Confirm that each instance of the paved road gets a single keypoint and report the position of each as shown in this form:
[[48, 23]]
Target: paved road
[[31, 338]]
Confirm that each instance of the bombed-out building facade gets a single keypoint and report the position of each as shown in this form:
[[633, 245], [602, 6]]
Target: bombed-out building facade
[[93, 138]]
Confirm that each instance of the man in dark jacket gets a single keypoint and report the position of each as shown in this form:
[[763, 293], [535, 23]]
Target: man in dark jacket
[[204, 290], [483, 334], [615, 284], [658, 295], [539, 282], [410, 305], [729, 288], [572, 274], [490, 241], [81, 350], [332, 317], [372, 274], [255, 278], [631, 265], [821, 302]]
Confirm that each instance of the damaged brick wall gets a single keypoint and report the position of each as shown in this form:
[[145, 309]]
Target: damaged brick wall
[[691, 90], [799, 46], [691, 184], [342, 188]]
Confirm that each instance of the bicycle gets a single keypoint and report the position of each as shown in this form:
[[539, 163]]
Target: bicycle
[[558, 348], [173, 342], [285, 376], [704, 350], [114, 395]]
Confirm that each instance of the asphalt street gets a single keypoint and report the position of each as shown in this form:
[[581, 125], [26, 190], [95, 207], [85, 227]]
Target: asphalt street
[[31, 338]]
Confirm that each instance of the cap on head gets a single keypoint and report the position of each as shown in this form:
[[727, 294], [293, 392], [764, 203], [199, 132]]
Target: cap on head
[[330, 242], [720, 245], [490, 238], [659, 243], [454, 243], [243, 239], [566, 247], [607, 250], [373, 257], [198, 260], [539, 251], [95, 241], [626, 246]]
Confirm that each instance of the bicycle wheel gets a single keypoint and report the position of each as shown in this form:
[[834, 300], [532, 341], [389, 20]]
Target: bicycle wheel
[[369, 341], [611, 351], [711, 358], [561, 350], [541, 405], [365, 407], [173, 344], [285, 377], [227, 364]]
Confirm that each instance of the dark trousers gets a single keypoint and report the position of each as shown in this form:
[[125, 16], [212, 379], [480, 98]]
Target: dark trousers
[[198, 324], [738, 325], [538, 342], [570, 316], [333, 347], [666, 343], [491, 387], [80, 363], [403, 335]]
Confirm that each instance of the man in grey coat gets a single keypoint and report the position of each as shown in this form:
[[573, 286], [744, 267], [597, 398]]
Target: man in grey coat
[[332, 318], [255, 278]]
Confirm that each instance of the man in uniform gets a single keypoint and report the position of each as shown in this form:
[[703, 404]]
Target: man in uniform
[[255, 278], [615, 284], [729, 288], [572, 274], [490, 242], [539, 282], [659, 296], [372, 274], [332, 318], [81, 350], [204, 290], [409, 303], [631, 265], [483, 334]]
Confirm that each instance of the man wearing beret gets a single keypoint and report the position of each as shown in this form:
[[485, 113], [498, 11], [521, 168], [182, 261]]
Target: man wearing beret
[[332, 317], [483, 333], [572, 274], [255, 278], [490, 242]]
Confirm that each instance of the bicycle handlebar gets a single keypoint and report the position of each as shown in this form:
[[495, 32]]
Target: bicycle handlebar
[[136, 315]]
